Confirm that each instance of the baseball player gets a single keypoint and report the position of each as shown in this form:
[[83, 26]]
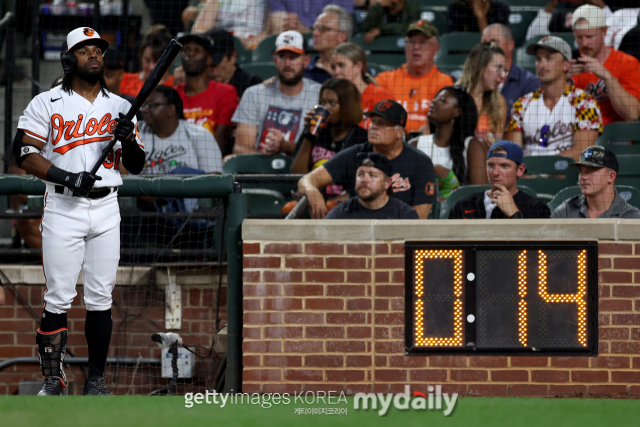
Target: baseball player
[[60, 137]]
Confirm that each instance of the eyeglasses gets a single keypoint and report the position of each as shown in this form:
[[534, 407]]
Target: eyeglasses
[[323, 28], [544, 140], [152, 106]]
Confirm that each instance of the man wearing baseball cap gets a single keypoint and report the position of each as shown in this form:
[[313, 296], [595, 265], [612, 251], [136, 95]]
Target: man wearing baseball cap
[[374, 190], [418, 81], [557, 119], [598, 169], [413, 178], [503, 200], [607, 74], [270, 118]]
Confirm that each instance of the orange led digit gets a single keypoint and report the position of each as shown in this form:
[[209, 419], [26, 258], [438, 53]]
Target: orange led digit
[[522, 293], [420, 339]]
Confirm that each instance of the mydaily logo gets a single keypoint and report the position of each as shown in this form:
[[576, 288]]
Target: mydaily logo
[[405, 401]]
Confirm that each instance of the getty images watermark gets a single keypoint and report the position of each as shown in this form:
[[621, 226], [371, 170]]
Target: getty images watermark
[[435, 399]]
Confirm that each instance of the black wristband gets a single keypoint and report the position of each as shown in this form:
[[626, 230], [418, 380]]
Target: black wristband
[[133, 157], [517, 215], [57, 176]]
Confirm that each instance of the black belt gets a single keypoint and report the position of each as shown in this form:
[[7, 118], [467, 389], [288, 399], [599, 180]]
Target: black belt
[[93, 194]]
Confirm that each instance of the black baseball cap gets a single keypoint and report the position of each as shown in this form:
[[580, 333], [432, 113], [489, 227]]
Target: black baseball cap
[[222, 43], [597, 157], [390, 110], [376, 160], [114, 59], [201, 39]]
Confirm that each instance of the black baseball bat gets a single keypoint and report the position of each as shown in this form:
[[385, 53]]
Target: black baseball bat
[[163, 64]]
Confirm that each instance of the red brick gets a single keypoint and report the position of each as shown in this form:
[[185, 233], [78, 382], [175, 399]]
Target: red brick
[[304, 262], [282, 276], [313, 318], [358, 361], [302, 375], [8, 339], [303, 290], [382, 277], [469, 375], [397, 304], [428, 375], [615, 304], [359, 332], [391, 375], [589, 376], [604, 291], [626, 291], [549, 376], [603, 347], [350, 263], [359, 304], [635, 334], [324, 361], [447, 361], [283, 332], [358, 249], [194, 297], [636, 362], [625, 319], [382, 248], [570, 362], [529, 361], [604, 319], [626, 263], [9, 352], [397, 276], [389, 262], [389, 319], [345, 290], [251, 248], [324, 332], [509, 375], [324, 249], [634, 390], [251, 333], [346, 318], [346, 346], [407, 362], [283, 304], [345, 375], [252, 360], [625, 377], [487, 390], [261, 318], [528, 390], [325, 276], [17, 325], [303, 346], [608, 390], [381, 333], [261, 346], [636, 277], [261, 262], [610, 362], [573, 390], [604, 263], [614, 277], [323, 304], [489, 361], [358, 277], [389, 347], [282, 361], [397, 248], [381, 304], [262, 375], [260, 290], [282, 248], [390, 290], [615, 249]]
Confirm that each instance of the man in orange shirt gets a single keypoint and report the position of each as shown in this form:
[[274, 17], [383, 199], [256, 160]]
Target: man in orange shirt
[[418, 81], [607, 74]]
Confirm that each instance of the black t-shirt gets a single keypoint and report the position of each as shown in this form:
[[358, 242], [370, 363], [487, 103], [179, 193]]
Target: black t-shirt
[[413, 176], [326, 147], [242, 80], [472, 207], [631, 42], [460, 16], [353, 209]]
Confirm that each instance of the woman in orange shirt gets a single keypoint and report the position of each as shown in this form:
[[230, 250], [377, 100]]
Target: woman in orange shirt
[[348, 61], [484, 71], [153, 44]]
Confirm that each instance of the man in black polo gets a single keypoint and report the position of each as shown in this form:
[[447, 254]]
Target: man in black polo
[[503, 200]]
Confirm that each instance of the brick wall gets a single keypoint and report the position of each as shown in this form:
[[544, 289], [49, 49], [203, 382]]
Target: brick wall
[[330, 316], [138, 312]]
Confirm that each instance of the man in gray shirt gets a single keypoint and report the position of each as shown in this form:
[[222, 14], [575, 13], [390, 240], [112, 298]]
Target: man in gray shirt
[[270, 118], [598, 168]]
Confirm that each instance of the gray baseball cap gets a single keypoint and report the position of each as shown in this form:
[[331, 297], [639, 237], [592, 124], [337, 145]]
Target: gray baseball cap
[[552, 44]]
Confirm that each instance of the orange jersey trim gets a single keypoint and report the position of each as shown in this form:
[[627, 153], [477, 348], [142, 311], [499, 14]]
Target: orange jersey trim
[[75, 144], [35, 134]]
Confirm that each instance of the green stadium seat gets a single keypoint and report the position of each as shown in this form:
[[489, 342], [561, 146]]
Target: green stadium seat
[[528, 62], [630, 194], [454, 49], [547, 175], [259, 164], [264, 51], [386, 61], [628, 172], [244, 55], [519, 24], [381, 44], [621, 138], [378, 68], [262, 69], [262, 201], [447, 205], [435, 3], [438, 18]]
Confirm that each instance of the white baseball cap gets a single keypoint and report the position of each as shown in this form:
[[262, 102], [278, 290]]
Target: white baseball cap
[[83, 34], [291, 41], [595, 17]]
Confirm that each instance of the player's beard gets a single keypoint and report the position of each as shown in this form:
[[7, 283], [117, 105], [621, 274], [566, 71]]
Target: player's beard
[[91, 77], [193, 69], [371, 196], [290, 81]]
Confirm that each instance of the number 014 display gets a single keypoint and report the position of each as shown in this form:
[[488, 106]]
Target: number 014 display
[[501, 298]]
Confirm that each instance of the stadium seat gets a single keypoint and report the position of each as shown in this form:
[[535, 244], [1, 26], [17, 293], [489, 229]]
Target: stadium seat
[[358, 19], [454, 49], [264, 51], [530, 4], [630, 194], [616, 137], [437, 17], [628, 172], [258, 164], [263, 70], [528, 62], [543, 175], [447, 205], [244, 55], [434, 3], [381, 44], [262, 201], [519, 23], [386, 61]]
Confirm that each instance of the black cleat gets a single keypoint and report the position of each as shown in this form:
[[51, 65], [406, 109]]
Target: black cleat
[[51, 387], [95, 388]]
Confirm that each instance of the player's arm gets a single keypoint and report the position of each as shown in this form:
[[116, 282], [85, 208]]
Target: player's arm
[[132, 148], [223, 135], [581, 140], [423, 210], [245, 139], [514, 136], [622, 101], [310, 185]]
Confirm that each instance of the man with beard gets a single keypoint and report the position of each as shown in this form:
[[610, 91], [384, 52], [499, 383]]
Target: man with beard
[[375, 191], [206, 102], [61, 135], [270, 117]]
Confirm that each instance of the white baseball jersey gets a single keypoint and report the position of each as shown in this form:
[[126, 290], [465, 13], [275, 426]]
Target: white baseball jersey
[[76, 131]]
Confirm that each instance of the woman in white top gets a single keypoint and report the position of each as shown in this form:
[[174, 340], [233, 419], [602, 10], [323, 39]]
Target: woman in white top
[[453, 118]]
